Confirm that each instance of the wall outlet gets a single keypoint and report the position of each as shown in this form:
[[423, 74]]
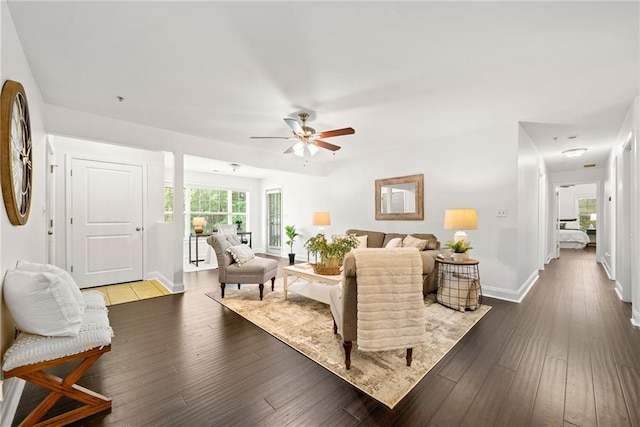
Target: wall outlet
[[501, 212]]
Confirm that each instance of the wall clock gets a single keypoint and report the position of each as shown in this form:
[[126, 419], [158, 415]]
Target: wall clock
[[15, 152]]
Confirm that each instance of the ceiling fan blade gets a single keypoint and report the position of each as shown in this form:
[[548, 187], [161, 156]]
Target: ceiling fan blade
[[290, 149], [326, 145], [272, 137], [336, 132], [295, 126]]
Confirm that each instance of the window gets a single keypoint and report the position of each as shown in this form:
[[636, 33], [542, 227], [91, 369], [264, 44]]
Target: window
[[587, 212], [168, 203]]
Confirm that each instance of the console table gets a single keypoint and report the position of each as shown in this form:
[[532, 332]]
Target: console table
[[196, 236], [242, 235]]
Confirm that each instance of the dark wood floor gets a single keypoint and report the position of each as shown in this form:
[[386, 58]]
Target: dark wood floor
[[567, 355]]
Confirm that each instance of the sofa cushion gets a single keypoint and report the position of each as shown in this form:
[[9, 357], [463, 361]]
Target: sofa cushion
[[375, 239], [414, 242], [394, 243], [363, 241], [241, 253]]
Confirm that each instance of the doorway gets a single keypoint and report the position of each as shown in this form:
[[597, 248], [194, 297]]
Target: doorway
[[105, 222], [577, 216], [274, 221]]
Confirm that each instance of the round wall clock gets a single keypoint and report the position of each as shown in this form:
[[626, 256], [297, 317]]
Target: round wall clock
[[15, 152]]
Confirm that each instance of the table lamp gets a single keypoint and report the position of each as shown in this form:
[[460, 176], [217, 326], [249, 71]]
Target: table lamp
[[460, 219], [592, 218], [320, 219], [198, 224]]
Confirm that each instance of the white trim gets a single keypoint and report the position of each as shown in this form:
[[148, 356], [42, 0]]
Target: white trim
[[619, 291], [164, 281], [635, 317], [12, 392], [508, 295], [607, 269]]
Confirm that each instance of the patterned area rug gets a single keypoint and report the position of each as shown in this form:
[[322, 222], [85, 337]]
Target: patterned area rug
[[132, 291], [307, 326]]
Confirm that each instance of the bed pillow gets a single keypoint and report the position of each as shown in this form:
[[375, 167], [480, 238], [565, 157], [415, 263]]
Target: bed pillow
[[394, 243], [413, 242], [57, 271], [42, 303], [241, 253], [573, 225]]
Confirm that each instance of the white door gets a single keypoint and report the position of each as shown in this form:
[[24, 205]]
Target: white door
[[105, 222]]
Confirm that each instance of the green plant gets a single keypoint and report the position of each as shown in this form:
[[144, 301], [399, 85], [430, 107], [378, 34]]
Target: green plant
[[333, 252], [290, 231], [459, 247]]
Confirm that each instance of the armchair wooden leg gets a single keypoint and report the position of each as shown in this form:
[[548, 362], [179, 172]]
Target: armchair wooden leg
[[238, 285], [347, 353], [409, 356], [222, 286], [261, 290], [273, 282]]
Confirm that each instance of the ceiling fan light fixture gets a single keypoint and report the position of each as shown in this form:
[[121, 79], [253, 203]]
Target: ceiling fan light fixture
[[298, 149], [313, 149], [574, 152]]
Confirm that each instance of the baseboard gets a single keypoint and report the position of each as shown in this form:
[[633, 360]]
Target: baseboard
[[12, 392], [607, 269], [618, 288], [635, 318], [508, 295], [171, 287]]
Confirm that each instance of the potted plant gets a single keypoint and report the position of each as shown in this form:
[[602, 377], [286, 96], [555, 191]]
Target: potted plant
[[290, 231], [331, 254], [238, 224], [459, 249]]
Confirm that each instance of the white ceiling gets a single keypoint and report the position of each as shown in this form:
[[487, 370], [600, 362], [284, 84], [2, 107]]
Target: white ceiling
[[400, 73]]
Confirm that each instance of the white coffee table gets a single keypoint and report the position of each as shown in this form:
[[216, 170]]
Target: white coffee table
[[307, 283]]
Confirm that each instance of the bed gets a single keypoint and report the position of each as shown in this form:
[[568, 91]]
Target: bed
[[573, 239]]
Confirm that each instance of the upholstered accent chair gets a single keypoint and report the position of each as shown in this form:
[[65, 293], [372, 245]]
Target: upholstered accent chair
[[379, 303], [247, 269]]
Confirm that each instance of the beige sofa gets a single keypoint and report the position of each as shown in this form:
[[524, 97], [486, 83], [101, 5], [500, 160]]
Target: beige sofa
[[377, 239]]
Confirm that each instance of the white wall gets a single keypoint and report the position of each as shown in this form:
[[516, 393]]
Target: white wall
[[156, 253], [622, 259], [477, 170], [28, 241], [530, 166]]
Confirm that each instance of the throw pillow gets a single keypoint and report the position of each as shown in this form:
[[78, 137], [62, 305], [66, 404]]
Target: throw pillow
[[362, 241], [412, 242], [394, 243], [57, 271], [42, 304], [241, 253]]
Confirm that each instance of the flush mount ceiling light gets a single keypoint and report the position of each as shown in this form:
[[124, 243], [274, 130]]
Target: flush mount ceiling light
[[574, 152]]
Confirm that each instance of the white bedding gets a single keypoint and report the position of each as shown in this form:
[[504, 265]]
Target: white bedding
[[573, 239]]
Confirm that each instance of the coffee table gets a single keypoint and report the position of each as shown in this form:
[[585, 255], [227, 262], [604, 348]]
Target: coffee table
[[307, 283]]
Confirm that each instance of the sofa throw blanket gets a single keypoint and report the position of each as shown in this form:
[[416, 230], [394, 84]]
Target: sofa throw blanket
[[390, 301]]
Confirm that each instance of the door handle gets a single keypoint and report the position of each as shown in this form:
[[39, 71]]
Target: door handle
[[50, 232], [138, 228]]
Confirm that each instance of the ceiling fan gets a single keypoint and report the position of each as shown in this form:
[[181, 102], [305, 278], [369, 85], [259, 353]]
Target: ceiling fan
[[309, 141]]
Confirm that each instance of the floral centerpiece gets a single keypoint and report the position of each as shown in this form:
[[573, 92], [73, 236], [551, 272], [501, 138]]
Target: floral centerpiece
[[331, 254]]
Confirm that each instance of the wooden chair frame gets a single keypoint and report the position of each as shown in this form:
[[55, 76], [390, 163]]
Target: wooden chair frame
[[34, 373]]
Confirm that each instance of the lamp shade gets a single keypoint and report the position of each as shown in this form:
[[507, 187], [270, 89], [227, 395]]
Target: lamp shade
[[321, 218], [198, 224], [592, 217], [460, 219]]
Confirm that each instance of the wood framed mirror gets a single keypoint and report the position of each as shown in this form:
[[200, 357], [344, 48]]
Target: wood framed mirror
[[400, 198]]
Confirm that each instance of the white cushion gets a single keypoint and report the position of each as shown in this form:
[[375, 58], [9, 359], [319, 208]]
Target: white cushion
[[53, 269], [241, 253], [394, 243], [94, 332], [362, 241], [42, 303], [413, 242]]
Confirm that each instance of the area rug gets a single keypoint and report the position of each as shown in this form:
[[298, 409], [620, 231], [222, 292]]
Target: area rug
[[307, 326], [132, 291]]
